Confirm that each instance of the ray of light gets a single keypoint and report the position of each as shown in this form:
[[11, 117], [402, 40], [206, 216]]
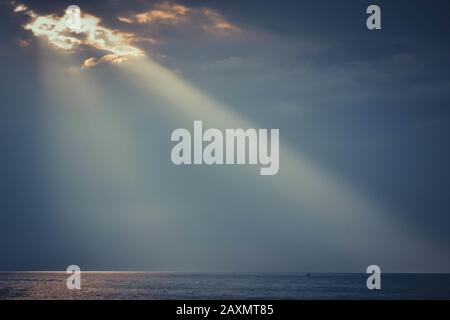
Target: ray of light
[[95, 168], [360, 227]]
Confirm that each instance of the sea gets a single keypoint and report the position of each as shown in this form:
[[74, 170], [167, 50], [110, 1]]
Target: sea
[[219, 286]]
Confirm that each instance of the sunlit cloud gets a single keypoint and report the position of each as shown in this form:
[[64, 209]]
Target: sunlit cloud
[[126, 20], [90, 34], [118, 44], [111, 58], [162, 12], [21, 8], [218, 23], [172, 14]]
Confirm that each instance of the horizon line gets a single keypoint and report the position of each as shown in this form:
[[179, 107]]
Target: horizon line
[[210, 272]]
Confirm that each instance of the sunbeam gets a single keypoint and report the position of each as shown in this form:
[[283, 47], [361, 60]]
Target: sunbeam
[[361, 229], [95, 168]]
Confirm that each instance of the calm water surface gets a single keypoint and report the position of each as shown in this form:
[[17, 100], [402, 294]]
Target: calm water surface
[[167, 285]]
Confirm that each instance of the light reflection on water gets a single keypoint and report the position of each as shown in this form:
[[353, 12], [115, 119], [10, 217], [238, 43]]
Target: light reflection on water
[[167, 285]]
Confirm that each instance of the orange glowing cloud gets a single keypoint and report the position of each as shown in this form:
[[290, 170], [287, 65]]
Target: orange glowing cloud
[[175, 14], [217, 22], [164, 12]]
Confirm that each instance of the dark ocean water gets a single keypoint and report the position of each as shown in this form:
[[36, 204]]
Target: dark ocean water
[[167, 285]]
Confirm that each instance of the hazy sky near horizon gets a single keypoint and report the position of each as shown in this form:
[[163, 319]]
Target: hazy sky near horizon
[[86, 176]]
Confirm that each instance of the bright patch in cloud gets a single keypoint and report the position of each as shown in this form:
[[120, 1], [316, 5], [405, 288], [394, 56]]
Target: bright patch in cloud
[[55, 29]]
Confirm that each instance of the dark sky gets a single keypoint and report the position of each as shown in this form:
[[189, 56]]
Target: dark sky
[[86, 176]]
